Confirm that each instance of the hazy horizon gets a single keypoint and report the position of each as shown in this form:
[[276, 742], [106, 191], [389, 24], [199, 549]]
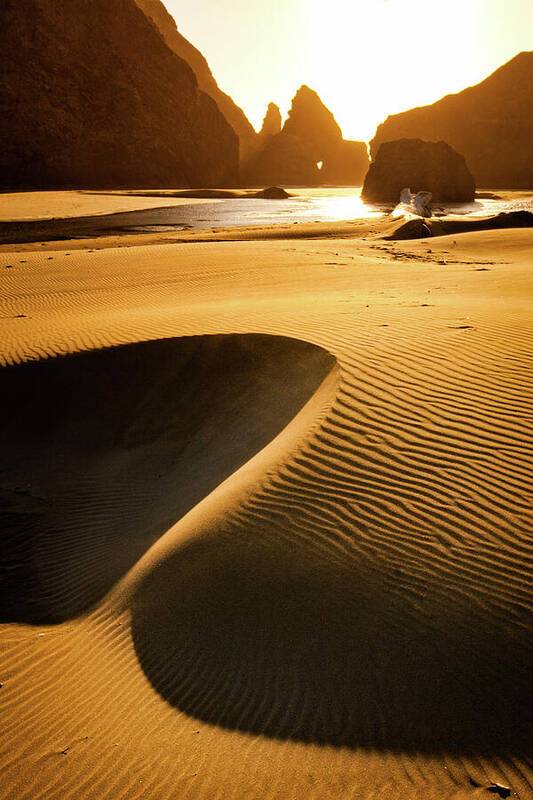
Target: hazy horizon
[[416, 56]]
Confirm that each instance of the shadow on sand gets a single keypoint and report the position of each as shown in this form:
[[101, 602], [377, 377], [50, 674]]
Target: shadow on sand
[[266, 626], [103, 451]]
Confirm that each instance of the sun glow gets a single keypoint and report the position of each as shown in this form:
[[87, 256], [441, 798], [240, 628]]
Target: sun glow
[[366, 58], [377, 57]]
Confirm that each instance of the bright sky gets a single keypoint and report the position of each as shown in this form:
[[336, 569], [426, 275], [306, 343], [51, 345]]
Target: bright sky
[[365, 58]]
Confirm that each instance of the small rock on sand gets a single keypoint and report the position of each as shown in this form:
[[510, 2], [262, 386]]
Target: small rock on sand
[[499, 789]]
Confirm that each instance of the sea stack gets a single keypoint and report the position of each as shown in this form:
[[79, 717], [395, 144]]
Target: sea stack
[[284, 160], [491, 124], [272, 122], [310, 137], [422, 166], [311, 121], [347, 164], [85, 110]]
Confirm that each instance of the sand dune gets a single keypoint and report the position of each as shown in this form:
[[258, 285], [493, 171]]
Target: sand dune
[[278, 577], [145, 434]]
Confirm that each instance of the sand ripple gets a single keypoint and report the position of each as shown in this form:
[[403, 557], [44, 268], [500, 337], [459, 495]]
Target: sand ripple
[[280, 577]]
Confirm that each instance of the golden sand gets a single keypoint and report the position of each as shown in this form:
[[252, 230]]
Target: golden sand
[[24, 206], [270, 519]]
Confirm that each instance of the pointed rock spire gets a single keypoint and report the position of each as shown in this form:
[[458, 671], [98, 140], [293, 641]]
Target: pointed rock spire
[[272, 121]]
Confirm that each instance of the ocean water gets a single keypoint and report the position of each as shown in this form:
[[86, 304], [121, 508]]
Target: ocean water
[[305, 205]]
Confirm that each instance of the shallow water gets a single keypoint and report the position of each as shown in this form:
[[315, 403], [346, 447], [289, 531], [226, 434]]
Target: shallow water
[[308, 205], [304, 206], [346, 203], [513, 201]]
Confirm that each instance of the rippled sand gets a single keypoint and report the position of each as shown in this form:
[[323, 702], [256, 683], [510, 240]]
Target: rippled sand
[[267, 516]]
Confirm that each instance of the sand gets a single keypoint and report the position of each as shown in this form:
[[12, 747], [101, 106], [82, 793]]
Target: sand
[[268, 514], [25, 206]]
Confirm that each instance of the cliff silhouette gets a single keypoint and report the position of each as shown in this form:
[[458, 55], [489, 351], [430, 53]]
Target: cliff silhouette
[[272, 122], [491, 124], [434, 167], [156, 11], [309, 150], [95, 97]]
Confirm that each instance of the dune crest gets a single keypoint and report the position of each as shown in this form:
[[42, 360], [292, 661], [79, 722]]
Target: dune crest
[[147, 431]]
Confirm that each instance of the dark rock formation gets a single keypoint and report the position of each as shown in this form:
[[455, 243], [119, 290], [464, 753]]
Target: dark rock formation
[[423, 166], [310, 120], [271, 122], [284, 159], [500, 790], [273, 193], [346, 165], [491, 124], [422, 228], [90, 95], [236, 117], [310, 136]]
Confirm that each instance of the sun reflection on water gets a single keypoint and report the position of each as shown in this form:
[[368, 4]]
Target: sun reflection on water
[[336, 204]]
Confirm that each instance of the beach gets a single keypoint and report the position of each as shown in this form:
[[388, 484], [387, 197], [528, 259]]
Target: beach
[[268, 498]]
